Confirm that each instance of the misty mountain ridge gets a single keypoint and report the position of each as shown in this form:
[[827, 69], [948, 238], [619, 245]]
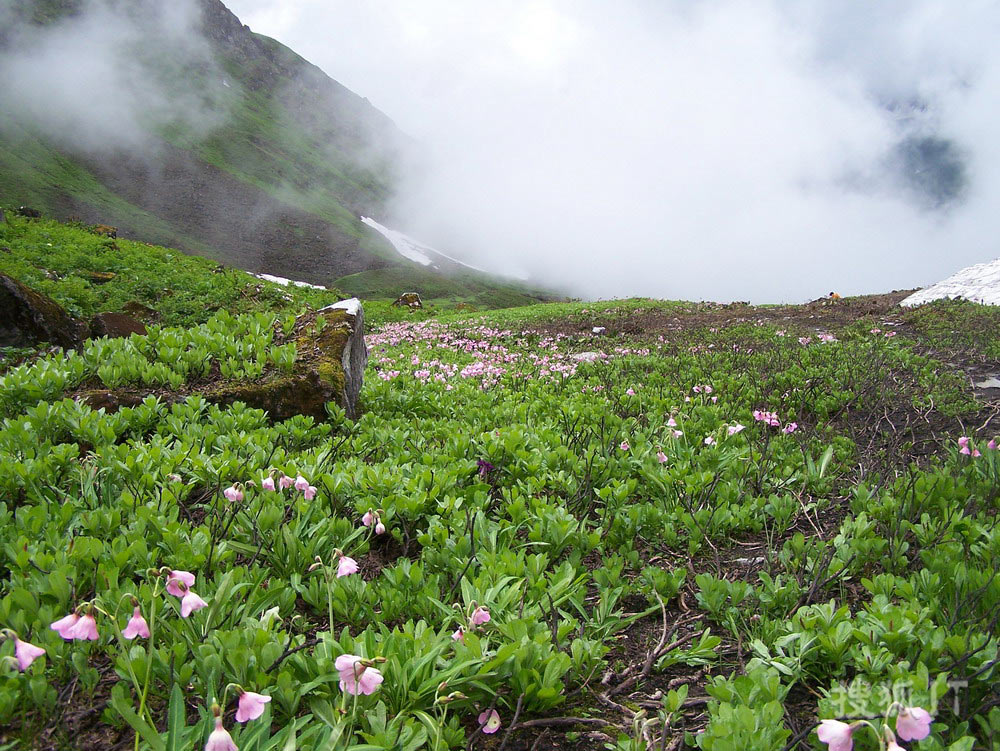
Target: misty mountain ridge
[[181, 126]]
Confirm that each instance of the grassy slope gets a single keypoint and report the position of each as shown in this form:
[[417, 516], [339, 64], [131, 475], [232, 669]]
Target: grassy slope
[[776, 575]]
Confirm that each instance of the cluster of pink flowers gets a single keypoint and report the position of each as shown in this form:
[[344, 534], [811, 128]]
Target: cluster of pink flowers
[[827, 338], [912, 724], [967, 450], [772, 419], [358, 675], [81, 624], [249, 707], [477, 617], [371, 517]]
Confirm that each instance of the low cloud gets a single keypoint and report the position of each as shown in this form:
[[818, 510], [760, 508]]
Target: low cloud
[[729, 150], [109, 76]]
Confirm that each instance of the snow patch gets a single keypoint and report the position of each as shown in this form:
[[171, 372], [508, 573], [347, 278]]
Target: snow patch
[[979, 283], [412, 249], [351, 305], [285, 282]]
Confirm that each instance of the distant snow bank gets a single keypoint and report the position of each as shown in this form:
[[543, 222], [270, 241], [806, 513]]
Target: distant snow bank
[[285, 282], [409, 248], [979, 283]]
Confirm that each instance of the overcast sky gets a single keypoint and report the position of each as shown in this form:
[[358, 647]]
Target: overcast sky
[[726, 149]]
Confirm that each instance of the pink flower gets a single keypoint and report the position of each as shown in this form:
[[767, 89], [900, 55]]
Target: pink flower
[[301, 483], [913, 723], [267, 483], [992, 445], [708, 389], [459, 634], [624, 446], [380, 528], [190, 603], [709, 440], [368, 518], [220, 739], [178, 582], [251, 706], [890, 334], [285, 481], [804, 340], [489, 721], [84, 629], [309, 493], [479, 616], [26, 653], [346, 566], [876, 331], [64, 624], [678, 433], [963, 441], [836, 734], [697, 389], [233, 494], [630, 392], [734, 429], [790, 427], [136, 626], [661, 457], [671, 423], [355, 677], [975, 453], [964, 450]]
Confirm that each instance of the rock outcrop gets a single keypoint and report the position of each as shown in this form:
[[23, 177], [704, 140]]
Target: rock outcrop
[[409, 299], [28, 317], [329, 367], [115, 325]]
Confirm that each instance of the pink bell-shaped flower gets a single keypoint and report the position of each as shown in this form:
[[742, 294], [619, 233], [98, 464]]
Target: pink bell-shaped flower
[[178, 582], [346, 566], [26, 653], [913, 723], [267, 483], [251, 706], [489, 721], [233, 494], [285, 482], [479, 616], [459, 634], [356, 677], [64, 624], [368, 518], [309, 493], [190, 603], [84, 629], [301, 484], [220, 739], [836, 734], [136, 626], [380, 528]]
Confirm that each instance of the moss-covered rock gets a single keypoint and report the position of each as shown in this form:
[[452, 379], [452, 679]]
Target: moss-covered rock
[[28, 317], [329, 367]]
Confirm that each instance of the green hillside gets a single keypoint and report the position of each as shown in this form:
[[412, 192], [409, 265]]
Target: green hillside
[[247, 153], [707, 527]]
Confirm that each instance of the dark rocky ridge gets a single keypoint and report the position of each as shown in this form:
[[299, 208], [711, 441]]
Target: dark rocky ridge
[[283, 198]]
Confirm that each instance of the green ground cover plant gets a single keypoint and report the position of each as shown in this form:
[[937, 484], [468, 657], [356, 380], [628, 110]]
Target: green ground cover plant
[[700, 527]]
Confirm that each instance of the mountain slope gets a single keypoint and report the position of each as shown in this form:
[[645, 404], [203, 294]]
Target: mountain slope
[[182, 127]]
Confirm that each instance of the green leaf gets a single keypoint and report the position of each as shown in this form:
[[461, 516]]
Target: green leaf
[[123, 707], [176, 720]]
